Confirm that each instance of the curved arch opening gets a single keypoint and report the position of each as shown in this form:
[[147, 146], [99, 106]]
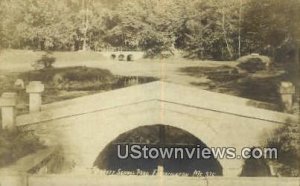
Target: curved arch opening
[[157, 136]]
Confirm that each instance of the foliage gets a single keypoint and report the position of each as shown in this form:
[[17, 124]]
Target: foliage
[[113, 56], [15, 144], [205, 29], [286, 140], [69, 74], [46, 62], [88, 74], [255, 168]]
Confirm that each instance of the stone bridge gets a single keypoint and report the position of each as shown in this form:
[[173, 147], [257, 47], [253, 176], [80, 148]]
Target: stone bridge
[[123, 55], [85, 125]]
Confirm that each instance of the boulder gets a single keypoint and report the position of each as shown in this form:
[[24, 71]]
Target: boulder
[[254, 62], [19, 83]]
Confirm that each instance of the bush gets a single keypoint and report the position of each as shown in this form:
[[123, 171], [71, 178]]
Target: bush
[[286, 140], [15, 144], [87, 74], [68, 74], [255, 168], [45, 62], [154, 44], [113, 56]]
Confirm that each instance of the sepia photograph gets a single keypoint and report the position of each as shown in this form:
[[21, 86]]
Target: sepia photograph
[[149, 92]]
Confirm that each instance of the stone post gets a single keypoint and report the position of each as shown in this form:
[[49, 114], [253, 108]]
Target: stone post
[[287, 90], [160, 170], [232, 167], [232, 172], [8, 102], [35, 89]]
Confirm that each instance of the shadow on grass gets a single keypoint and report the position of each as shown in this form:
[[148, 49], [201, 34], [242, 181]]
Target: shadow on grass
[[228, 80], [67, 83]]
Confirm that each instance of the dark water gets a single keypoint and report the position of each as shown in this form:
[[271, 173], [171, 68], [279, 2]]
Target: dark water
[[151, 136]]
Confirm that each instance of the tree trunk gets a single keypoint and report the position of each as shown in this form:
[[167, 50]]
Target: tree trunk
[[84, 45], [86, 25], [225, 34], [297, 52], [240, 20]]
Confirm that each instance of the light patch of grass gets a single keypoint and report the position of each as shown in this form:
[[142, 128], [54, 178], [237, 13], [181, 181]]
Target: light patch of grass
[[29, 56]]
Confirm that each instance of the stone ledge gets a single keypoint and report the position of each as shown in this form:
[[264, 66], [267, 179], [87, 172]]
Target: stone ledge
[[8, 99], [35, 87], [287, 88], [159, 92]]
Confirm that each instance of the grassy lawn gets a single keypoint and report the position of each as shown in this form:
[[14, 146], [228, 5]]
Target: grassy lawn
[[28, 56], [217, 76], [13, 58], [22, 60]]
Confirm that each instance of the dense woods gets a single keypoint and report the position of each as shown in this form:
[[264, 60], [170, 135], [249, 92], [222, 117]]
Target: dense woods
[[204, 29]]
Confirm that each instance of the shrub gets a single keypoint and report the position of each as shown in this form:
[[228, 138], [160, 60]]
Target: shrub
[[87, 74], [15, 144], [45, 62], [286, 140], [255, 168], [113, 56]]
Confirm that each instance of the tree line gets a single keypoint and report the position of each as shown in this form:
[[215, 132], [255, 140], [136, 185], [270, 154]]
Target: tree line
[[204, 29]]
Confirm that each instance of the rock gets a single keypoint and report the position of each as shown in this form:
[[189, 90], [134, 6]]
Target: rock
[[254, 62], [57, 79], [19, 83]]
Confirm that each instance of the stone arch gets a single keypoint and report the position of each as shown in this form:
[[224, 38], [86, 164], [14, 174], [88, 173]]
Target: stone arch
[[198, 128], [149, 135], [129, 57], [90, 133], [121, 57]]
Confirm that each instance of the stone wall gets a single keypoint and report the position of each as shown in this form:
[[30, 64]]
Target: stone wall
[[94, 180]]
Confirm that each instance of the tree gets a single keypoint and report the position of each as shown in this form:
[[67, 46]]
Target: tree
[[286, 140], [205, 29], [270, 23]]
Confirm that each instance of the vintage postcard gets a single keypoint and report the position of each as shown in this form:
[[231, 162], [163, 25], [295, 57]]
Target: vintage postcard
[[149, 92]]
